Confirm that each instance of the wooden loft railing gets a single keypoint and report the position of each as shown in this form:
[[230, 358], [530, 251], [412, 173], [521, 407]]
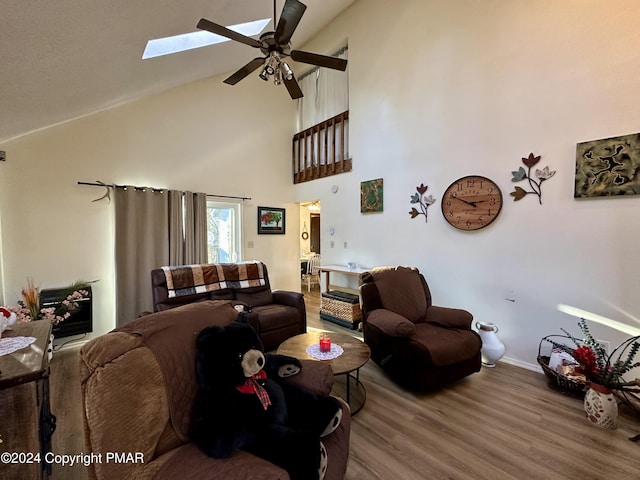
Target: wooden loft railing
[[321, 151]]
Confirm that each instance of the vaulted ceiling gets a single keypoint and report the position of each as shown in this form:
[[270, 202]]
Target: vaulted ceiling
[[66, 58]]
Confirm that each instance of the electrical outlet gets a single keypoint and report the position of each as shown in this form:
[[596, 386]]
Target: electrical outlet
[[250, 244], [605, 345]]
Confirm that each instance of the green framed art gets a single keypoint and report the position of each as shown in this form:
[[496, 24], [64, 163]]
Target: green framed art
[[371, 196]]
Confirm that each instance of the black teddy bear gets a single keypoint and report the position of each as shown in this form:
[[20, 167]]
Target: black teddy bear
[[243, 403]]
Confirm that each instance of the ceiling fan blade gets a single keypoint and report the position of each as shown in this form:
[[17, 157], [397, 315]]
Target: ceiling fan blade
[[289, 18], [319, 60], [244, 71], [205, 24], [293, 88]]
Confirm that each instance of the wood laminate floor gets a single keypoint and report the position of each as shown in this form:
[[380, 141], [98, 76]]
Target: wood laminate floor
[[500, 423]]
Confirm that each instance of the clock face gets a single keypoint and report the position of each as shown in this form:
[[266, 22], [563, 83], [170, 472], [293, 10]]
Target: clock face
[[471, 202]]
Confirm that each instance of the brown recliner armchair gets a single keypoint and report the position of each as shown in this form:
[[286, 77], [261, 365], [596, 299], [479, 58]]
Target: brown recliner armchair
[[421, 346], [276, 315], [138, 388]]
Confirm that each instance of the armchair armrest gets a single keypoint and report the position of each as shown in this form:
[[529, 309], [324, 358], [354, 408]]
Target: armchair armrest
[[290, 299], [391, 323], [450, 317]]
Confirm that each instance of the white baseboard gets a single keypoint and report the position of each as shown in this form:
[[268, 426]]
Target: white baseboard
[[66, 343], [518, 363]]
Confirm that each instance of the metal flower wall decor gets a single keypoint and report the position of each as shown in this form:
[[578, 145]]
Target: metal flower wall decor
[[422, 200], [536, 185]]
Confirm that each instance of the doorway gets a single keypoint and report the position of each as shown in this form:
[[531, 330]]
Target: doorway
[[310, 236], [314, 232]]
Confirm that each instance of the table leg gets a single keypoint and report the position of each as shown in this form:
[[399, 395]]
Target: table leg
[[358, 385], [349, 389]]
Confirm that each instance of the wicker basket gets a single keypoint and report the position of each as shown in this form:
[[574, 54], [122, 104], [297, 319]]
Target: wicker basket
[[558, 382], [341, 306]]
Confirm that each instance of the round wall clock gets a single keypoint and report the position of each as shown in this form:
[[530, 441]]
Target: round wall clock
[[471, 202]]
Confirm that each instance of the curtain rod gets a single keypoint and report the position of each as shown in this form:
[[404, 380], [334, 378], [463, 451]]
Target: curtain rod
[[113, 185]]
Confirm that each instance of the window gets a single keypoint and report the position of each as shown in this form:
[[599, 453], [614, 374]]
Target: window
[[224, 231], [187, 41]]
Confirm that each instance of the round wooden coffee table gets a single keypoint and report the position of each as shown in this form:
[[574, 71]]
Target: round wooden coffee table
[[356, 354]]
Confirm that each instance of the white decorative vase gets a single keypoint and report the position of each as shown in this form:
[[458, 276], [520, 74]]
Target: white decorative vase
[[600, 406], [492, 348]]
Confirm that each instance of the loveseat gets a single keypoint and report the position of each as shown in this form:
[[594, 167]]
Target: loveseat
[[138, 387], [275, 315]]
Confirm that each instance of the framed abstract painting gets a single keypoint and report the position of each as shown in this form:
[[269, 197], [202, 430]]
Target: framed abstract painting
[[371, 198], [608, 167]]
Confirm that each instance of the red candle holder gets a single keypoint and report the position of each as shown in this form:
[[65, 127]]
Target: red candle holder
[[325, 343]]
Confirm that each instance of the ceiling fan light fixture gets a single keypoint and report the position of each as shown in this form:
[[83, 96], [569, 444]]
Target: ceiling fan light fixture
[[287, 73], [264, 75], [273, 63]]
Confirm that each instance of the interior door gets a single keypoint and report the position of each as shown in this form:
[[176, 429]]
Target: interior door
[[314, 232]]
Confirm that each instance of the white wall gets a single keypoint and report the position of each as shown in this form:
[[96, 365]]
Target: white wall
[[202, 137], [443, 89]]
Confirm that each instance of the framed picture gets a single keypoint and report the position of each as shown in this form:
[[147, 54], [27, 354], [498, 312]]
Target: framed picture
[[371, 199], [271, 220], [607, 167]]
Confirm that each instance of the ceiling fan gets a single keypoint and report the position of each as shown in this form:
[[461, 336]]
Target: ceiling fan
[[275, 47]]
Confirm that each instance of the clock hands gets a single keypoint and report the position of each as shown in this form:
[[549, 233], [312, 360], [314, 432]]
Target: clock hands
[[473, 204]]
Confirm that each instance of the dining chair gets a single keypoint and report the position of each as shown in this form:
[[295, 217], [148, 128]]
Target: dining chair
[[313, 272]]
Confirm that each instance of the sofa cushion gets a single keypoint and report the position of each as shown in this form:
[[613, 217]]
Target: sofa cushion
[[276, 316], [255, 297], [446, 345], [106, 388], [171, 336]]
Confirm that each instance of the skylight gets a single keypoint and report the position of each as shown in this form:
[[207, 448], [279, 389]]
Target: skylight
[[188, 41]]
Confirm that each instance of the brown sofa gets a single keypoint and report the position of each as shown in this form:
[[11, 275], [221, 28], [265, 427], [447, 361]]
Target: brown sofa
[[275, 315], [421, 346], [138, 386]]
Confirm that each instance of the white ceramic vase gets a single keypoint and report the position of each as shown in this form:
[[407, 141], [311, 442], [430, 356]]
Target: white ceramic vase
[[601, 407], [492, 348]]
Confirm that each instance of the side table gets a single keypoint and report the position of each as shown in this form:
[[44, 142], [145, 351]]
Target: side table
[[356, 354], [26, 422]]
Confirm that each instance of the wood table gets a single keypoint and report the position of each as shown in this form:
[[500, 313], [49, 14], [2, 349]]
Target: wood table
[[26, 423], [356, 354], [341, 269]]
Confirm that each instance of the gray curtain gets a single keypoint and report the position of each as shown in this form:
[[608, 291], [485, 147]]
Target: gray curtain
[[154, 229], [176, 235], [187, 228], [141, 226], [195, 232]]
